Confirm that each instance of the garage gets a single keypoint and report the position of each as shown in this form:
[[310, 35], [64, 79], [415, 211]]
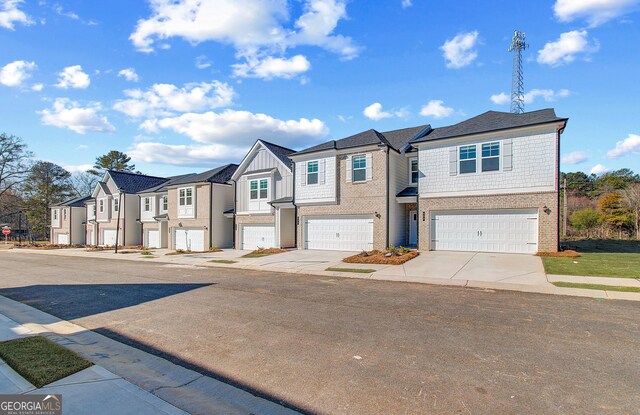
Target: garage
[[109, 237], [339, 233], [501, 230], [188, 239], [63, 239], [153, 238], [258, 236]]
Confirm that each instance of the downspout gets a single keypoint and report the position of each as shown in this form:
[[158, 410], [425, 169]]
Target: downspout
[[417, 205], [70, 226], [235, 208], [558, 188], [140, 219], [124, 222], [295, 207], [387, 197], [210, 215]]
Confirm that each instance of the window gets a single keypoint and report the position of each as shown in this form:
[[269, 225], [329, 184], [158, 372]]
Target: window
[[147, 204], [264, 187], [185, 196], [101, 203], [116, 204], [253, 190], [359, 168], [165, 203], [491, 156], [467, 159], [414, 171], [312, 172], [258, 189], [55, 214]]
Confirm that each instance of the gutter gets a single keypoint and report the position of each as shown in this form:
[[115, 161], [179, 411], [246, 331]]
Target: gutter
[[235, 209], [387, 194]]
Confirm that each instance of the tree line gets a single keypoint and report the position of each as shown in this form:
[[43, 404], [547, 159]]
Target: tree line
[[604, 206], [28, 186]]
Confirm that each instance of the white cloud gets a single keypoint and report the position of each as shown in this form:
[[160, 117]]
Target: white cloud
[[599, 169], [61, 12], [375, 112], [73, 77], [77, 168], [239, 128], [15, 73], [629, 145], [436, 109], [566, 48], [253, 27], [185, 155], [129, 74], [11, 14], [69, 114], [406, 3], [270, 67], [166, 99], [37, 87], [459, 51], [595, 12], [500, 98], [575, 157], [202, 62]]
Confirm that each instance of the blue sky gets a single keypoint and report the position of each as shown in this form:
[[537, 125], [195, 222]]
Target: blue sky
[[186, 85]]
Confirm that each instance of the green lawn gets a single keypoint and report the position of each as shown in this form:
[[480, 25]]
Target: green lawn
[[254, 255], [41, 361], [597, 286], [622, 265], [356, 270], [223, 261]]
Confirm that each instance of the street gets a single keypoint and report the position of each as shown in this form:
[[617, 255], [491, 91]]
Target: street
[[350, 346]]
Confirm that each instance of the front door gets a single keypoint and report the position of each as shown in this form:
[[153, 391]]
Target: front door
[[413, 227]]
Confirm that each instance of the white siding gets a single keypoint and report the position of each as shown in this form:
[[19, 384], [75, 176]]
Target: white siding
[[324, 191], [148, 216], [533, 170], [222, 234], [398, 180]]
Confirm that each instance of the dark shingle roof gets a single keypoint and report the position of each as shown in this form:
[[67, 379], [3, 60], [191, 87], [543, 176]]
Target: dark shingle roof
[[396, 139], [220, 174], [134, 183], [170, 180], [281, 152], [491, 121], [408, 191], [75, 202]]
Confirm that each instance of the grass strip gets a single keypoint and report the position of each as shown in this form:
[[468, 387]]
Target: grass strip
[[40, 360], [356, 270], [602, 287], [223, 261]]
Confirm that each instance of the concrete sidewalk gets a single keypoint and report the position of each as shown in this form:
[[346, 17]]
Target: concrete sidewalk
[[512, 272], [124, 379]]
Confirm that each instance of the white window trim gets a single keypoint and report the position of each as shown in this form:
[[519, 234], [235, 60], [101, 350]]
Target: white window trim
[[164, 199], [116, 201], [192, 205], [259, 199], [353, 170], [146, 204], [460, 160], [55, 218], [411, 160], [101, 205], [499, 156], [317, 172], [479, 158]]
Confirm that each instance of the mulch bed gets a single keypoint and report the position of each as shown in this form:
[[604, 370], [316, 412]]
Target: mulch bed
[[377, 257], [567, 253]]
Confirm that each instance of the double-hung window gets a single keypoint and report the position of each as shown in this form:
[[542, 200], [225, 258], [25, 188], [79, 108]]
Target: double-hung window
[[147, 204], [312, 172], [116, 203], [55, 214], [467, 159], [64, 214], [185, 196], [491, 156], [101, 205], [165, 203], [359, 168], [414, 171], [258, 189]]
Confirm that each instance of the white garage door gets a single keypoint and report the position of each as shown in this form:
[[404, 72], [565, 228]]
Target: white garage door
[[339, 233], [63, 239], [258, 236], [153, 239], [189, 239], [109, 237], [504, 230]]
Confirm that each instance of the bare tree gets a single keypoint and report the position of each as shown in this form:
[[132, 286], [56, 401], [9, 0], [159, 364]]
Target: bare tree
[[84, 183], [632, 198], [14, 163]]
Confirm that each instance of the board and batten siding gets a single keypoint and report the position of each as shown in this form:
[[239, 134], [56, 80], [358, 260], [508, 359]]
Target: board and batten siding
[[398, 180], [222, 235], [325, 189], [281, 183], [533, 166]]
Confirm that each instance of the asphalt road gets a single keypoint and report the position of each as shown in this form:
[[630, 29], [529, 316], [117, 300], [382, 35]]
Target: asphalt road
[[351, 346]]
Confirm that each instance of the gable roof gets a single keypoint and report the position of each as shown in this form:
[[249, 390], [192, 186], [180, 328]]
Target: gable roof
[[134, 183], [281, 153], [491, 121], [395, 139], [75, 202], [220, 174], [170, 180]]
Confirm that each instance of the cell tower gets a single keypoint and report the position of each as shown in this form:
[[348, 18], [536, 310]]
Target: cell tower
[[517, 81]]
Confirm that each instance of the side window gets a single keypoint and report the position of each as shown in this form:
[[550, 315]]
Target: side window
[[467, 159], [64, 214], [185, 196], [101, 203], [147, 204], [253, 189], [116, 203], [55, 214], [312, 172], [359, 168], [414, 171], [491, 156], [264, 187], [165, 203]]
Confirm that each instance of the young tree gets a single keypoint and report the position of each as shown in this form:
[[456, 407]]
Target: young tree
[[46, 185], [585, 220], [113, 160], [614, 212], [632, 198], [14, 163]]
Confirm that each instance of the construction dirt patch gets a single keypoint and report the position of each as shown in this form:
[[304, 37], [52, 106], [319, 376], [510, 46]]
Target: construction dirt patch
[[378, 257], [567, 253]]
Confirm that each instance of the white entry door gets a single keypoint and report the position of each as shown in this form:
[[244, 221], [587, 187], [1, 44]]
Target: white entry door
[[189, 239], [153, 238], [339, 233], [502, 230], [258, 236], [109, 237], [63, 239]]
